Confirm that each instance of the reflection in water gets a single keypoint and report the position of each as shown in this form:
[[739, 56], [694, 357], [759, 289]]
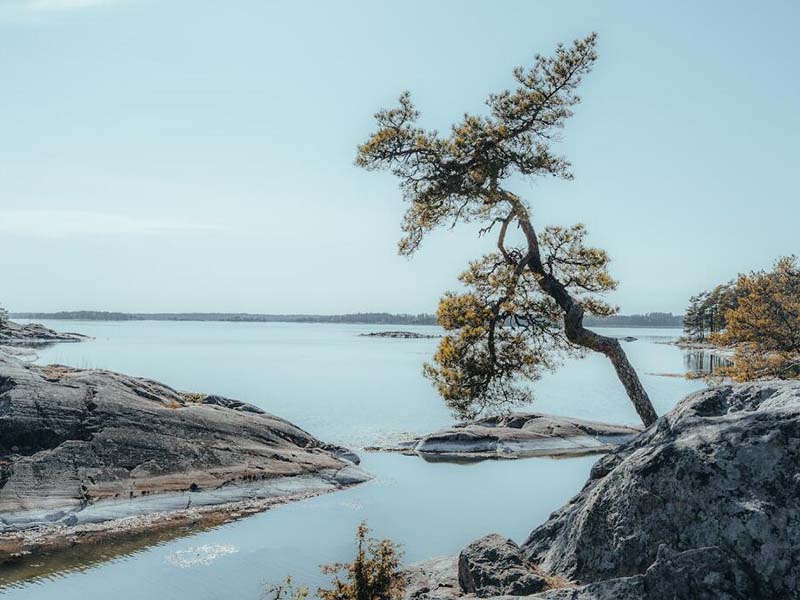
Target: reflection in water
[[702, 361], [347, 389], [83, 557]]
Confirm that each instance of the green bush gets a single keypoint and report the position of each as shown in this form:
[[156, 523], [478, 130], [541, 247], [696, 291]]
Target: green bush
[[374, 574]]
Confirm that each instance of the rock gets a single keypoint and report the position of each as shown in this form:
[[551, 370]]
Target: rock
[[704, 504], [12, 333], [87, 446], [494, 566], [702, 574], [721, 470], [517, 435], [435, 579], [406, 335]]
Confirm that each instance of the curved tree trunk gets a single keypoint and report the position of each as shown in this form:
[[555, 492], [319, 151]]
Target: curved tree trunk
[[573, 320]]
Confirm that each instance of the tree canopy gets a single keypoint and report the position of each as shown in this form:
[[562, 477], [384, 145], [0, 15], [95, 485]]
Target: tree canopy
[[707, 311], [524, 304], [764, 326]]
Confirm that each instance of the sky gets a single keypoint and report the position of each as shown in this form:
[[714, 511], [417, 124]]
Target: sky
[[197, 155]]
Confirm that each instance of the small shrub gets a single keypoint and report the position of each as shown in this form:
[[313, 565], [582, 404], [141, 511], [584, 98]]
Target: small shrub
[[374, 574], [287, 591]]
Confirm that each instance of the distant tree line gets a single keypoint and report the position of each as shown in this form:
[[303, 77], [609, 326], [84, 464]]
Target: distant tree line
[[652, 319], [381, 318]]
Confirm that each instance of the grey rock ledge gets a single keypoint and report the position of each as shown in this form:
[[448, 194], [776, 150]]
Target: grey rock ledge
[[82, 447]]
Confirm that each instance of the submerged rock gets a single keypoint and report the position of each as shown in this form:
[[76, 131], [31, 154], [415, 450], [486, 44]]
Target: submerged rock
[[12, 333], [517, 435], [705, 504], [88, 446]]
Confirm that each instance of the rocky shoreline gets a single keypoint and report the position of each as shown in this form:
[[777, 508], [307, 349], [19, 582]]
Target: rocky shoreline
[[702, 505], [13, 334], [516, 435], [707, 347], [91, 453]]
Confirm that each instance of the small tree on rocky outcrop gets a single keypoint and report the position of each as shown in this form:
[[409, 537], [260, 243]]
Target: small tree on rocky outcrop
[[764, 328], [374, 574], [525, 303], [3, 316]]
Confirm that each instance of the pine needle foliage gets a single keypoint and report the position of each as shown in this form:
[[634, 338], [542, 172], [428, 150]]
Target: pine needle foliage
[[764, 327], [524, 304], [374, 574]]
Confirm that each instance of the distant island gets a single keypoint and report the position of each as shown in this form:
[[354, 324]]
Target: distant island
[[381, 318], [653, 319]]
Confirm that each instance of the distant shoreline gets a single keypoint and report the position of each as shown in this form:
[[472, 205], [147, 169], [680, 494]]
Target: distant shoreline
[[650, 321], [355, 318]]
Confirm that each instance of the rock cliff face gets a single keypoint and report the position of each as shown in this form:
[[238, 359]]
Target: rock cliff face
[[518, 435], [12, 333], [704, 504], [86, 446]]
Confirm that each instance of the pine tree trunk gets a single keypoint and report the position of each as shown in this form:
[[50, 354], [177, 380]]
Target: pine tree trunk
[[573, 321]]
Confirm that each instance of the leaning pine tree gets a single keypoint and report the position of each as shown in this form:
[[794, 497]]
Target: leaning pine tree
[[525, 303]]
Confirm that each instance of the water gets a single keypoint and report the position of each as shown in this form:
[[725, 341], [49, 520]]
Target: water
[[346, 389]]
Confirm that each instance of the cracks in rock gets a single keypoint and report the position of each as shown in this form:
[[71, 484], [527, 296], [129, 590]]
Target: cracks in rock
[[6, 384], [89, 424]]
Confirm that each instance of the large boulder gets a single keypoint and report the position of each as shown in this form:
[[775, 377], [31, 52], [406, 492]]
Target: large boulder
[[704, 504], [87, 446], [495, 566], [720, 470]]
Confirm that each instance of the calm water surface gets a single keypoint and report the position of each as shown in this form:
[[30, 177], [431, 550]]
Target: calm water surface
[[346, 389]]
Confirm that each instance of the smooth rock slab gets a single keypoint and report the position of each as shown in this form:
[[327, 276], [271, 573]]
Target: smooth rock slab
[[518, 435], [12, 333], [83, 446]]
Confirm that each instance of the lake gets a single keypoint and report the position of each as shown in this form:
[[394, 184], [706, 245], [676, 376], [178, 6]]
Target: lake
[[350, 390]]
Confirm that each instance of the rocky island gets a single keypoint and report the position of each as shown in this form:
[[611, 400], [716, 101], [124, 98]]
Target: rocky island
[[13, 334], [402, 335], [85, 454], [516, 435], [704, 504]]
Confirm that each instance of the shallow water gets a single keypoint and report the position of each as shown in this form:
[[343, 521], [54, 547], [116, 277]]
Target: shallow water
[[346, 389]]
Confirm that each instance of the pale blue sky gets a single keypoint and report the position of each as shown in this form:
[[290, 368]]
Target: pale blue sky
[[180, 155]]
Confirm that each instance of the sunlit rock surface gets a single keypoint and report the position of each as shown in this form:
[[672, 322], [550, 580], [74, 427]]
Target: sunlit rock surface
[[86, 446]]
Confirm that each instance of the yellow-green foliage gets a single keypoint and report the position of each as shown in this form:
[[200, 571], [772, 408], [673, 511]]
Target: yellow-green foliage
[[288, 591], [507, 327], [374, 574], [764, 328], [504, 331]]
